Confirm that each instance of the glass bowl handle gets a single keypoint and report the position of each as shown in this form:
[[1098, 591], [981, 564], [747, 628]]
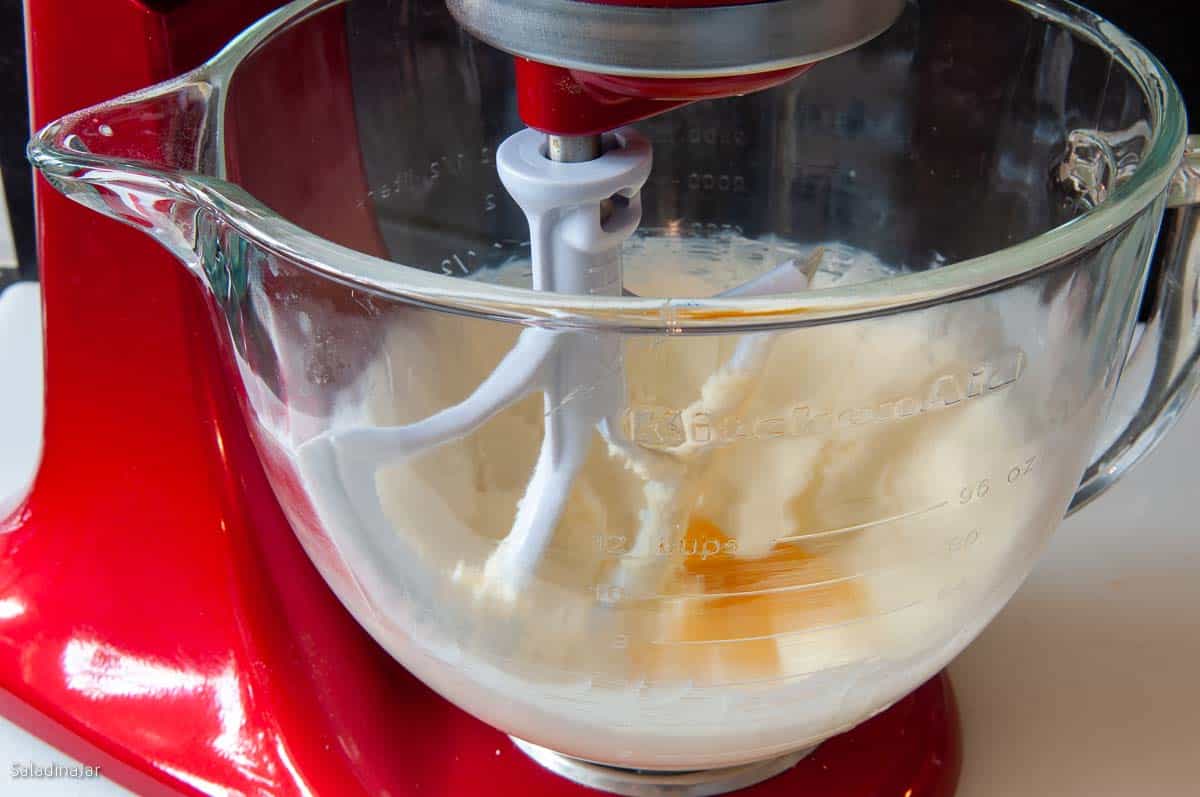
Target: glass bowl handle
[[1175, 322]]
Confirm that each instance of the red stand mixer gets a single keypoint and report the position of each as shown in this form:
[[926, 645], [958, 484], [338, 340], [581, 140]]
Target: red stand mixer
[[161, 618]]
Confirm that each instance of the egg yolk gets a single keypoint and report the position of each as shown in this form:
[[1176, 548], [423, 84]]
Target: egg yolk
[[736, 610]]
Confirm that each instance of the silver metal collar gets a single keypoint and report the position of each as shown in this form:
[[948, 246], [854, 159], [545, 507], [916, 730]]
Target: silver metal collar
[[676, 42]]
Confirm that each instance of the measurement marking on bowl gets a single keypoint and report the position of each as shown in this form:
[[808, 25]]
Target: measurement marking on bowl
[[599, 679], [861, 526], [780, 634], [772, 590], [795, 676], [622, 546], [614, 594]]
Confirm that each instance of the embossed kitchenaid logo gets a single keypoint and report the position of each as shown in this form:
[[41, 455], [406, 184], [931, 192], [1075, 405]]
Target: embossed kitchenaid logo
[[668, 427]]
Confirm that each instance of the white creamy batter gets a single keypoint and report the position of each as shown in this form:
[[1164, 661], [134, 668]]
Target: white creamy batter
[[783, 529]]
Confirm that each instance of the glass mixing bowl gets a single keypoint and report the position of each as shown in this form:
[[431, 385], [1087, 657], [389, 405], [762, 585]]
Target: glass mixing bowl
[[788, 511]]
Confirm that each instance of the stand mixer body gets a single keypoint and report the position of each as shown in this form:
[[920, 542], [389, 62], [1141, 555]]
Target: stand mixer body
[[139, 633], [209, 607]]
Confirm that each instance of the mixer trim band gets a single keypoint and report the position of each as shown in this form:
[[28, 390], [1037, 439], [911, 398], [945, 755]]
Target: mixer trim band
[[676, 42]]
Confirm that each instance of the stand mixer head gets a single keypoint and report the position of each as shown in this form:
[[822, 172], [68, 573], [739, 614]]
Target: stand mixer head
[[585, 67], [588, 66]]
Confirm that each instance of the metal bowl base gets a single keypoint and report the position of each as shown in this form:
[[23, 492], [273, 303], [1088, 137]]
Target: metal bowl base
[[655, 783]]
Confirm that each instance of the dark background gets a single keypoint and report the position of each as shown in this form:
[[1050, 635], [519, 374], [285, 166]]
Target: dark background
[[1161, 25], [14, 131]]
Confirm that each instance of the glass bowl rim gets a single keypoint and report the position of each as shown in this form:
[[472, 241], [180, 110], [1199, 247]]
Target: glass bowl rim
[[394, 281]]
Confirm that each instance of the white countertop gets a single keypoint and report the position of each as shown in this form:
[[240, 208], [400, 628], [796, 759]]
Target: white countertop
[[1086, 685]]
